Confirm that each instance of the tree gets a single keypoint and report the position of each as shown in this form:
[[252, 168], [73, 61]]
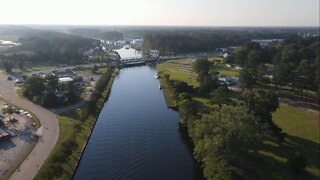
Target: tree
[[240, 57], [181, 86], [304, 76], [262, 103], [21, 64], [222, 135], [33, 86], [50, 99], [202, 66], [7, 65], [70, 93], [186, 110], [281, 74], [255, 58], [317, 75], [207, 84], [261, 80], [52, 82], [220, 95], [247, 78]]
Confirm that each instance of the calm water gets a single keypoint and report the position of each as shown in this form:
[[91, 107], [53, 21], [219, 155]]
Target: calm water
[[129, 53], [136, 135]]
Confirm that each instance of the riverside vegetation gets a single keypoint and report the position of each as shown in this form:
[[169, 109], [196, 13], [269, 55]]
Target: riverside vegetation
[[234, 134], [75, 128]]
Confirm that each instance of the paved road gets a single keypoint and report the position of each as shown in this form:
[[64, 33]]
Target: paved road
[[49, 132]]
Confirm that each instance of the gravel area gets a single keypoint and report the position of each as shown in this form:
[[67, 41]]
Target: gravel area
[[11, 150]]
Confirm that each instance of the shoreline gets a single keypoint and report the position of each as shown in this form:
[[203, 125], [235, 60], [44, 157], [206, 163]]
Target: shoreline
[[70, 164], [107, 91]]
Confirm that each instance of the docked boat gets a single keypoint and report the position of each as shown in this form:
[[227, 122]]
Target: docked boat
[[156, 75]]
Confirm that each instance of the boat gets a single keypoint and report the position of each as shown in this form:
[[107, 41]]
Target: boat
[[156, 75], [160, 87]]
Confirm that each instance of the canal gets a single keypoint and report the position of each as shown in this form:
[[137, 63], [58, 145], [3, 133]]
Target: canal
[[136, 136]]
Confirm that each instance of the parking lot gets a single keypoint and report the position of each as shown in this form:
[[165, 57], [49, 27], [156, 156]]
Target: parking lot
[[12, 148]]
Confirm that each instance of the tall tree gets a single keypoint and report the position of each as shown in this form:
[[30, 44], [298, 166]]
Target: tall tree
[[33, 86], [304, 76], [262, 103], [221, 136]]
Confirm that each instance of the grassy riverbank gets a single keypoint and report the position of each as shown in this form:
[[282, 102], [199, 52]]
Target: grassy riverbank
[[271, 161], [75, 129]]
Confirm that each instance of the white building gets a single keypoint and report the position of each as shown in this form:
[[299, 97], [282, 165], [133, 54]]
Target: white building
[[137, 42], [65, 79]]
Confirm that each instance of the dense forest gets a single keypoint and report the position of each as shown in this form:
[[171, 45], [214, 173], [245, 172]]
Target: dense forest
[[98, 33], [186, 41], [52, 41], [46, 47]]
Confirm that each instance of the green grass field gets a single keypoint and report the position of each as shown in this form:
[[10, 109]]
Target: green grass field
[[179, 70], [226, 71], [303, 129], [182, 70], [298, 122]]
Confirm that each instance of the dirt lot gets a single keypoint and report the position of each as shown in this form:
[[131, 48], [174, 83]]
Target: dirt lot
[[11, 150]]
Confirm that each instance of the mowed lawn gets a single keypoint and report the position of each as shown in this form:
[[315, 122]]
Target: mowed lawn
[[298, 122], [303, 129], [226, 71], [179, 70]]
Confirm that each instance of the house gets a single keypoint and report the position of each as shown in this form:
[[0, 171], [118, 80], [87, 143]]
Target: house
[[65, 80]]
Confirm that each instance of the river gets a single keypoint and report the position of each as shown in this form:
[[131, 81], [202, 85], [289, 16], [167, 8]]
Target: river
[[129, 53], [136, 136]]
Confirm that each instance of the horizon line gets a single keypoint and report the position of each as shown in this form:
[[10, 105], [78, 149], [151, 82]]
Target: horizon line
[[196, 26]]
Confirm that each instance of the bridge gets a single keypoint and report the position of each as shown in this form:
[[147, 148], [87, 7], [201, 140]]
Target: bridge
[[144, 60], [137, 61]]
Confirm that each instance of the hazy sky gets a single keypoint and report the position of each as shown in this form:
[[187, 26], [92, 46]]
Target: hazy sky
[[162, 12]]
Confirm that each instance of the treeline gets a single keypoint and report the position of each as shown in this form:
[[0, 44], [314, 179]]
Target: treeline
[[90, 110], [48, 48], [53, 41], [226, 132], [111, 35], [294, 64], [98, 33], [22, 60], [188, 41]]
